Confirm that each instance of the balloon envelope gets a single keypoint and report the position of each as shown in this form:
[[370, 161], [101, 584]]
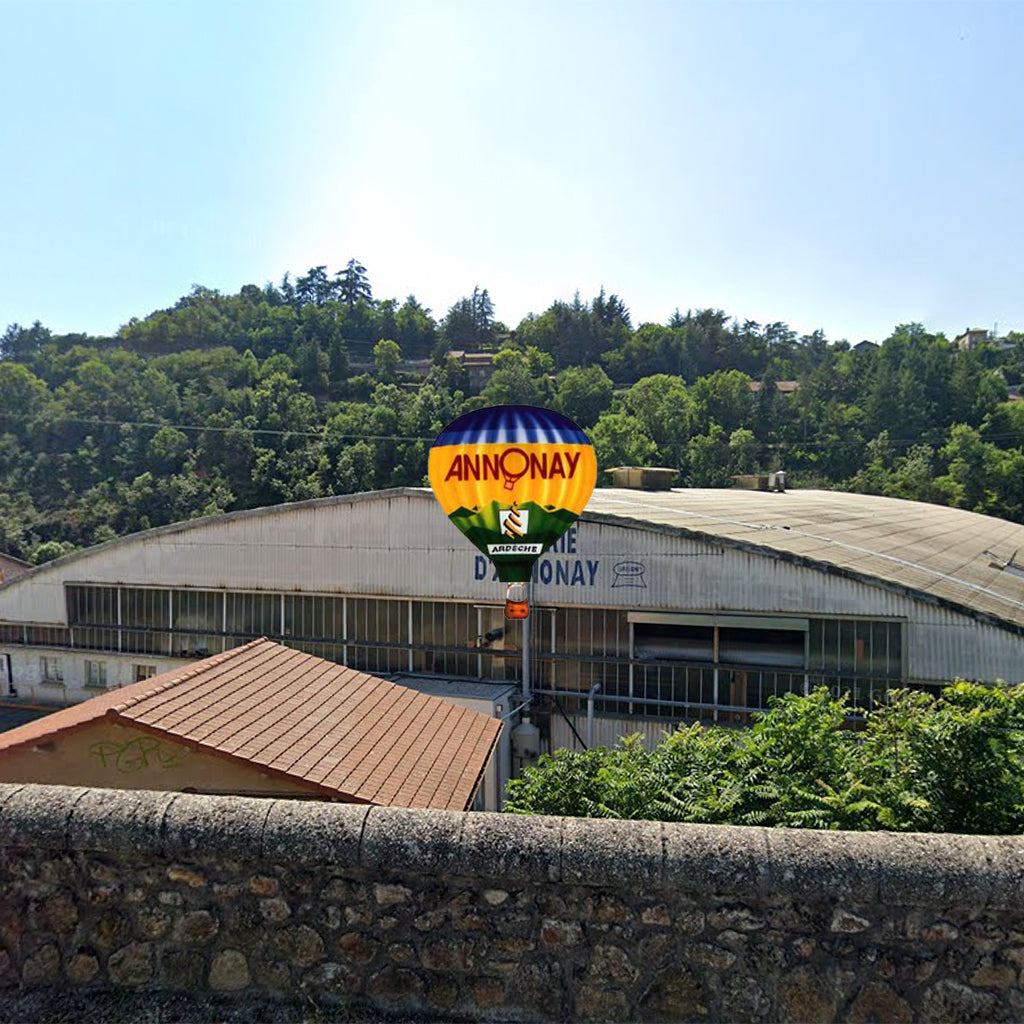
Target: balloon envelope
[[513, 479]]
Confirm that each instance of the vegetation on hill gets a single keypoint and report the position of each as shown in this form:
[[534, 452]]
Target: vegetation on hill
[[952, 763], [315, 387]]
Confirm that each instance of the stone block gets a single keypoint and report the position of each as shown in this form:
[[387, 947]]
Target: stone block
[[618, 854], [598, 1004], [442, 995], [332, 979], [38, 816], [992, 974], [846, 922], [448, 955], [540, 988], [119, 821], [229, 971], [43, 967], [112, 930], [182, 970], [704, 860], [82, 968], [878, 1002], [735, 918], [132, 965], [424, 842], [611, 965], [152, 923], [359, 949], [512, 848], [675, 994], [301, 945], [263, 885], [61, 913], [401, 953], [196, 928], [397, 985], [195, 825], [950, 1000], [555, 934], [920, 870], [275, 910], [390, 895], [183, 875], [808, 863], [487, 993], [308, 832], [813, 995]]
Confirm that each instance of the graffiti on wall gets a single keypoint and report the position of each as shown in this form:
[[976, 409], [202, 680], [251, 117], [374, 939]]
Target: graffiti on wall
[[134, 755]]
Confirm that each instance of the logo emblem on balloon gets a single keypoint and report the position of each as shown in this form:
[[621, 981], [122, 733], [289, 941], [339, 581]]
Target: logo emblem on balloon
[[513, 479]]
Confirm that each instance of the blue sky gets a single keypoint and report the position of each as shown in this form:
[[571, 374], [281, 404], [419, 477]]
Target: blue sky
[[837, 165]]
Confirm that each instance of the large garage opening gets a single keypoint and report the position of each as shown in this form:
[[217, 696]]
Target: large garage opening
[[714, 667]]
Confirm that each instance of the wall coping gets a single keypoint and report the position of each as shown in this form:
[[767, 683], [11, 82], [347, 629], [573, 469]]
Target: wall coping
[[900, 869]]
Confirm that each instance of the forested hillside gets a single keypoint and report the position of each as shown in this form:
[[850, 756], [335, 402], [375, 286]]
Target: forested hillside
[[314, 387]]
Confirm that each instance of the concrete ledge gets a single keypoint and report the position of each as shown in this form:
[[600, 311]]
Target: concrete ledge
[[857, 867], [312, 832]]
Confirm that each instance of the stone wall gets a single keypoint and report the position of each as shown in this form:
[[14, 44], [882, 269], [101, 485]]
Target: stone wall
[[504, 917]]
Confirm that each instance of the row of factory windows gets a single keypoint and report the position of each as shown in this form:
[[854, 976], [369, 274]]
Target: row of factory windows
[[659, 664]]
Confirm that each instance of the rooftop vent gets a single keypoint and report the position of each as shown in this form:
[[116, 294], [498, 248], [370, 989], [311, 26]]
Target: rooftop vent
[[761, 481], [643, 478]]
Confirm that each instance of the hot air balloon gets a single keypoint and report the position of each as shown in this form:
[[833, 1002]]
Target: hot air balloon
[[513, 479]]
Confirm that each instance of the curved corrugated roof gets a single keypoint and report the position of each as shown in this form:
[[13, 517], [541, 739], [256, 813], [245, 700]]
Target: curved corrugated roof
[[946, 555], [970, 562]]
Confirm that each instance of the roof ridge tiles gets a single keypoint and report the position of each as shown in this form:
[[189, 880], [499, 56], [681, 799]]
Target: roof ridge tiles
[[180, 676]]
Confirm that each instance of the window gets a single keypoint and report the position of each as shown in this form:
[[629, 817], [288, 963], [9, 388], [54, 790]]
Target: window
[[50, 670], [141, 672], [96, 675], [704, 666]]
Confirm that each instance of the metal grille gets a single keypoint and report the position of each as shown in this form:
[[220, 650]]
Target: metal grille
[[379, 632]]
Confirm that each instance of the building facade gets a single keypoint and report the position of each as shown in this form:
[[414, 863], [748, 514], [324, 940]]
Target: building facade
[[654, 608]]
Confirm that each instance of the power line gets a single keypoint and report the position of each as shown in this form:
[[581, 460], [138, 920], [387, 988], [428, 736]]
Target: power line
[[321, 433]]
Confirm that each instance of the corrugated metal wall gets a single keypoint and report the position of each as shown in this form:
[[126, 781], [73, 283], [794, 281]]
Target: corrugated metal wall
[[403, 545]]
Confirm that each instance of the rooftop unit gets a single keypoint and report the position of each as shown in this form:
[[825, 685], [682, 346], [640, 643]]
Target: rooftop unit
[[643, 478]]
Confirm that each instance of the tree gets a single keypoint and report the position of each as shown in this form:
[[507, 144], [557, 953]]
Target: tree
[[387, 357], [354, 285], [583, 393], [519, 378], [315, 287], [22, 343], [470, 322], [664, 406], [621, 440], [744, 449]]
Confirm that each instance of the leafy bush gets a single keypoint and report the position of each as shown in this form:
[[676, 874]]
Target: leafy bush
[[947, 763]]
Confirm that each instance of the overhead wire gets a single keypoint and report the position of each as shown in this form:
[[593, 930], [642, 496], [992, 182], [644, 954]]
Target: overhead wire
[[362, 436]]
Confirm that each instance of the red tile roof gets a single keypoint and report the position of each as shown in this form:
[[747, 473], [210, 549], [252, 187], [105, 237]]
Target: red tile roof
[[343, 733]]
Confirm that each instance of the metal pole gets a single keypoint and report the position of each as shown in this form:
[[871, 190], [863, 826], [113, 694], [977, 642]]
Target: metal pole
[[590, 715], [526, 645]]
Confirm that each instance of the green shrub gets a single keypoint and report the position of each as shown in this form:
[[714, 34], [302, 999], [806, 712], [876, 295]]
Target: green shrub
[[952, 763]]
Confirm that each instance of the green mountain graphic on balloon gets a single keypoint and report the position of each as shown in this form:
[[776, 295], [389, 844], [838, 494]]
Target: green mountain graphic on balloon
[[482, 526]]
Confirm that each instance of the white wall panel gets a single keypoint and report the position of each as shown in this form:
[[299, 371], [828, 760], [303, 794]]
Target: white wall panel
[[403, 545]]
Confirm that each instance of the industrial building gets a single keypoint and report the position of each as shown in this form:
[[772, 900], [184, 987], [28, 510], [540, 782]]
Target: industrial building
[[656, 607]]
